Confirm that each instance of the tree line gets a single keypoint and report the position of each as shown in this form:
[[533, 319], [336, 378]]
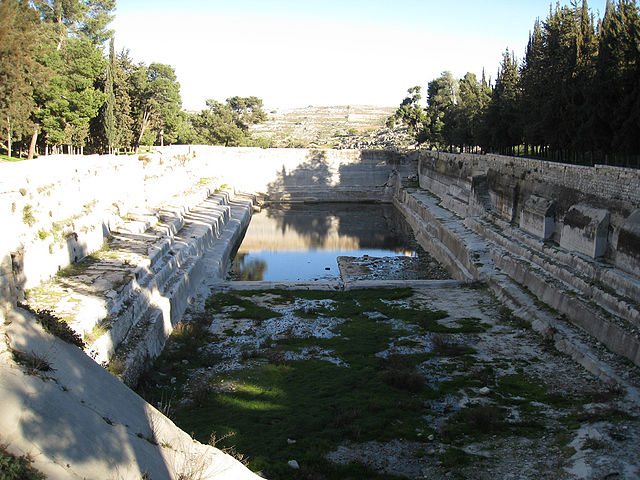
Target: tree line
[[60, 91], [575, 96]]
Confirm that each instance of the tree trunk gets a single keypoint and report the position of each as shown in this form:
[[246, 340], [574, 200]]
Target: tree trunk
[[62, 32], [143, 127], [32, 145], [8, 137]]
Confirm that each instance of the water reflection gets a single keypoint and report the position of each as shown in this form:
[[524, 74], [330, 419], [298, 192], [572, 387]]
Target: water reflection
[[248, 269], [302, 241]]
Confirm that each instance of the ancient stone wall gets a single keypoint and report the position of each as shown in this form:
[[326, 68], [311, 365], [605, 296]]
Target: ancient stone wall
[[615, 184], [544, 198], [568, 235], [288, 174], [56, 210]]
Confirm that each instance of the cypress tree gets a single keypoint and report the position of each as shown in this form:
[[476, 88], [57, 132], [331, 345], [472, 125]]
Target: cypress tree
[[109, 118], [582, 89], [626, 118], [532, 81], [503, 119]]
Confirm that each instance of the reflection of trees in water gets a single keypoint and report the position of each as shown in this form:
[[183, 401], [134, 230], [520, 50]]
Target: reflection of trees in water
[[372, 226], [307, 221], [251, 270]]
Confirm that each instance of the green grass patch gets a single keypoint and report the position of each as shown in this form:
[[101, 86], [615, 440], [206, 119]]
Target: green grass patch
[[80, 267], [579, 416], [315, 402], [455, 457], [244, 308], [257, 408], [7, 158], [469, 424], [99, 329]]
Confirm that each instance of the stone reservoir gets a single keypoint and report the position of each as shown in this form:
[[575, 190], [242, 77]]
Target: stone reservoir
[[120, 247]]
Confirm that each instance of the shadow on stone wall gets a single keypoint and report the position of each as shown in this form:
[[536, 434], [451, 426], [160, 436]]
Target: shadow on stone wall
[[370, 180]]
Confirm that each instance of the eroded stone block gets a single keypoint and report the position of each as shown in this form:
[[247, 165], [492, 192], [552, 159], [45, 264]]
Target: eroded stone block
[[585, 230], [537, 217], [628, 246], [503, 192]]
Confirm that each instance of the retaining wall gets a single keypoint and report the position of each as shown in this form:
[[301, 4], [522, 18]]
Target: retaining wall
[[58, 209], [588, 210], [568, 235]]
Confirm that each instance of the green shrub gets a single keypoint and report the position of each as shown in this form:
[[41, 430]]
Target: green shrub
[[17, 468], [400, 373], [116, 366], [454, 457]]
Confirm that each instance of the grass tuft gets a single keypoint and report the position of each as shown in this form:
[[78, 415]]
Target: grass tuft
[[34, 363]]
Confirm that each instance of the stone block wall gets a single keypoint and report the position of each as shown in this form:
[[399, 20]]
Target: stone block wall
[[585, 230], [628, 241], [537, 217], [56, 210], [539, 196], [288, 174]]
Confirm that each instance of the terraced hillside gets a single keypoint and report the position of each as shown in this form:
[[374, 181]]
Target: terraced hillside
[[321, 126]]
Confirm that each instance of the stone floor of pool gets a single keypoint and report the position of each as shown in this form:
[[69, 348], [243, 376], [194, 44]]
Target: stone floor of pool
[[391, 268], [584, 429]]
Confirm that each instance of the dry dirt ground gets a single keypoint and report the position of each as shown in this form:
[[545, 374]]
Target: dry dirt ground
[[494, 400]]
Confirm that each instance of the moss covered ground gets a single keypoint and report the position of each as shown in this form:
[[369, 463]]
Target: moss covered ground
[[390, 367]]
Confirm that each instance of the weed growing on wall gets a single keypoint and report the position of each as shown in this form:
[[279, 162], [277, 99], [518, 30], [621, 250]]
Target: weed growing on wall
[[27, 215], [55, 326], [33, 363]]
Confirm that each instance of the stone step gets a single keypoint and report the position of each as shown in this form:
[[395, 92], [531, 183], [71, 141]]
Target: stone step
[[610, 329], [605, 286], [104, 294], [468, 241], [152, 286], [147, 336]]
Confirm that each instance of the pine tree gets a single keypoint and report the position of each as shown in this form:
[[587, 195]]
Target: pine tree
[[155, 102], [22, 41], [411, 113], [471, 106], [442, 96]]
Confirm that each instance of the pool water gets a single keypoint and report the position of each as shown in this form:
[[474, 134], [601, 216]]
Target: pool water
[[301, 242]]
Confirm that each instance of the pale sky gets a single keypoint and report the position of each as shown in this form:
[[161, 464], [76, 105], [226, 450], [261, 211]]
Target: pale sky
[[294, 53]]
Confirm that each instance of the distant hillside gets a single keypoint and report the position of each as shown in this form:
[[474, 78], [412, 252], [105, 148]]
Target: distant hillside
[[321, 126]]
